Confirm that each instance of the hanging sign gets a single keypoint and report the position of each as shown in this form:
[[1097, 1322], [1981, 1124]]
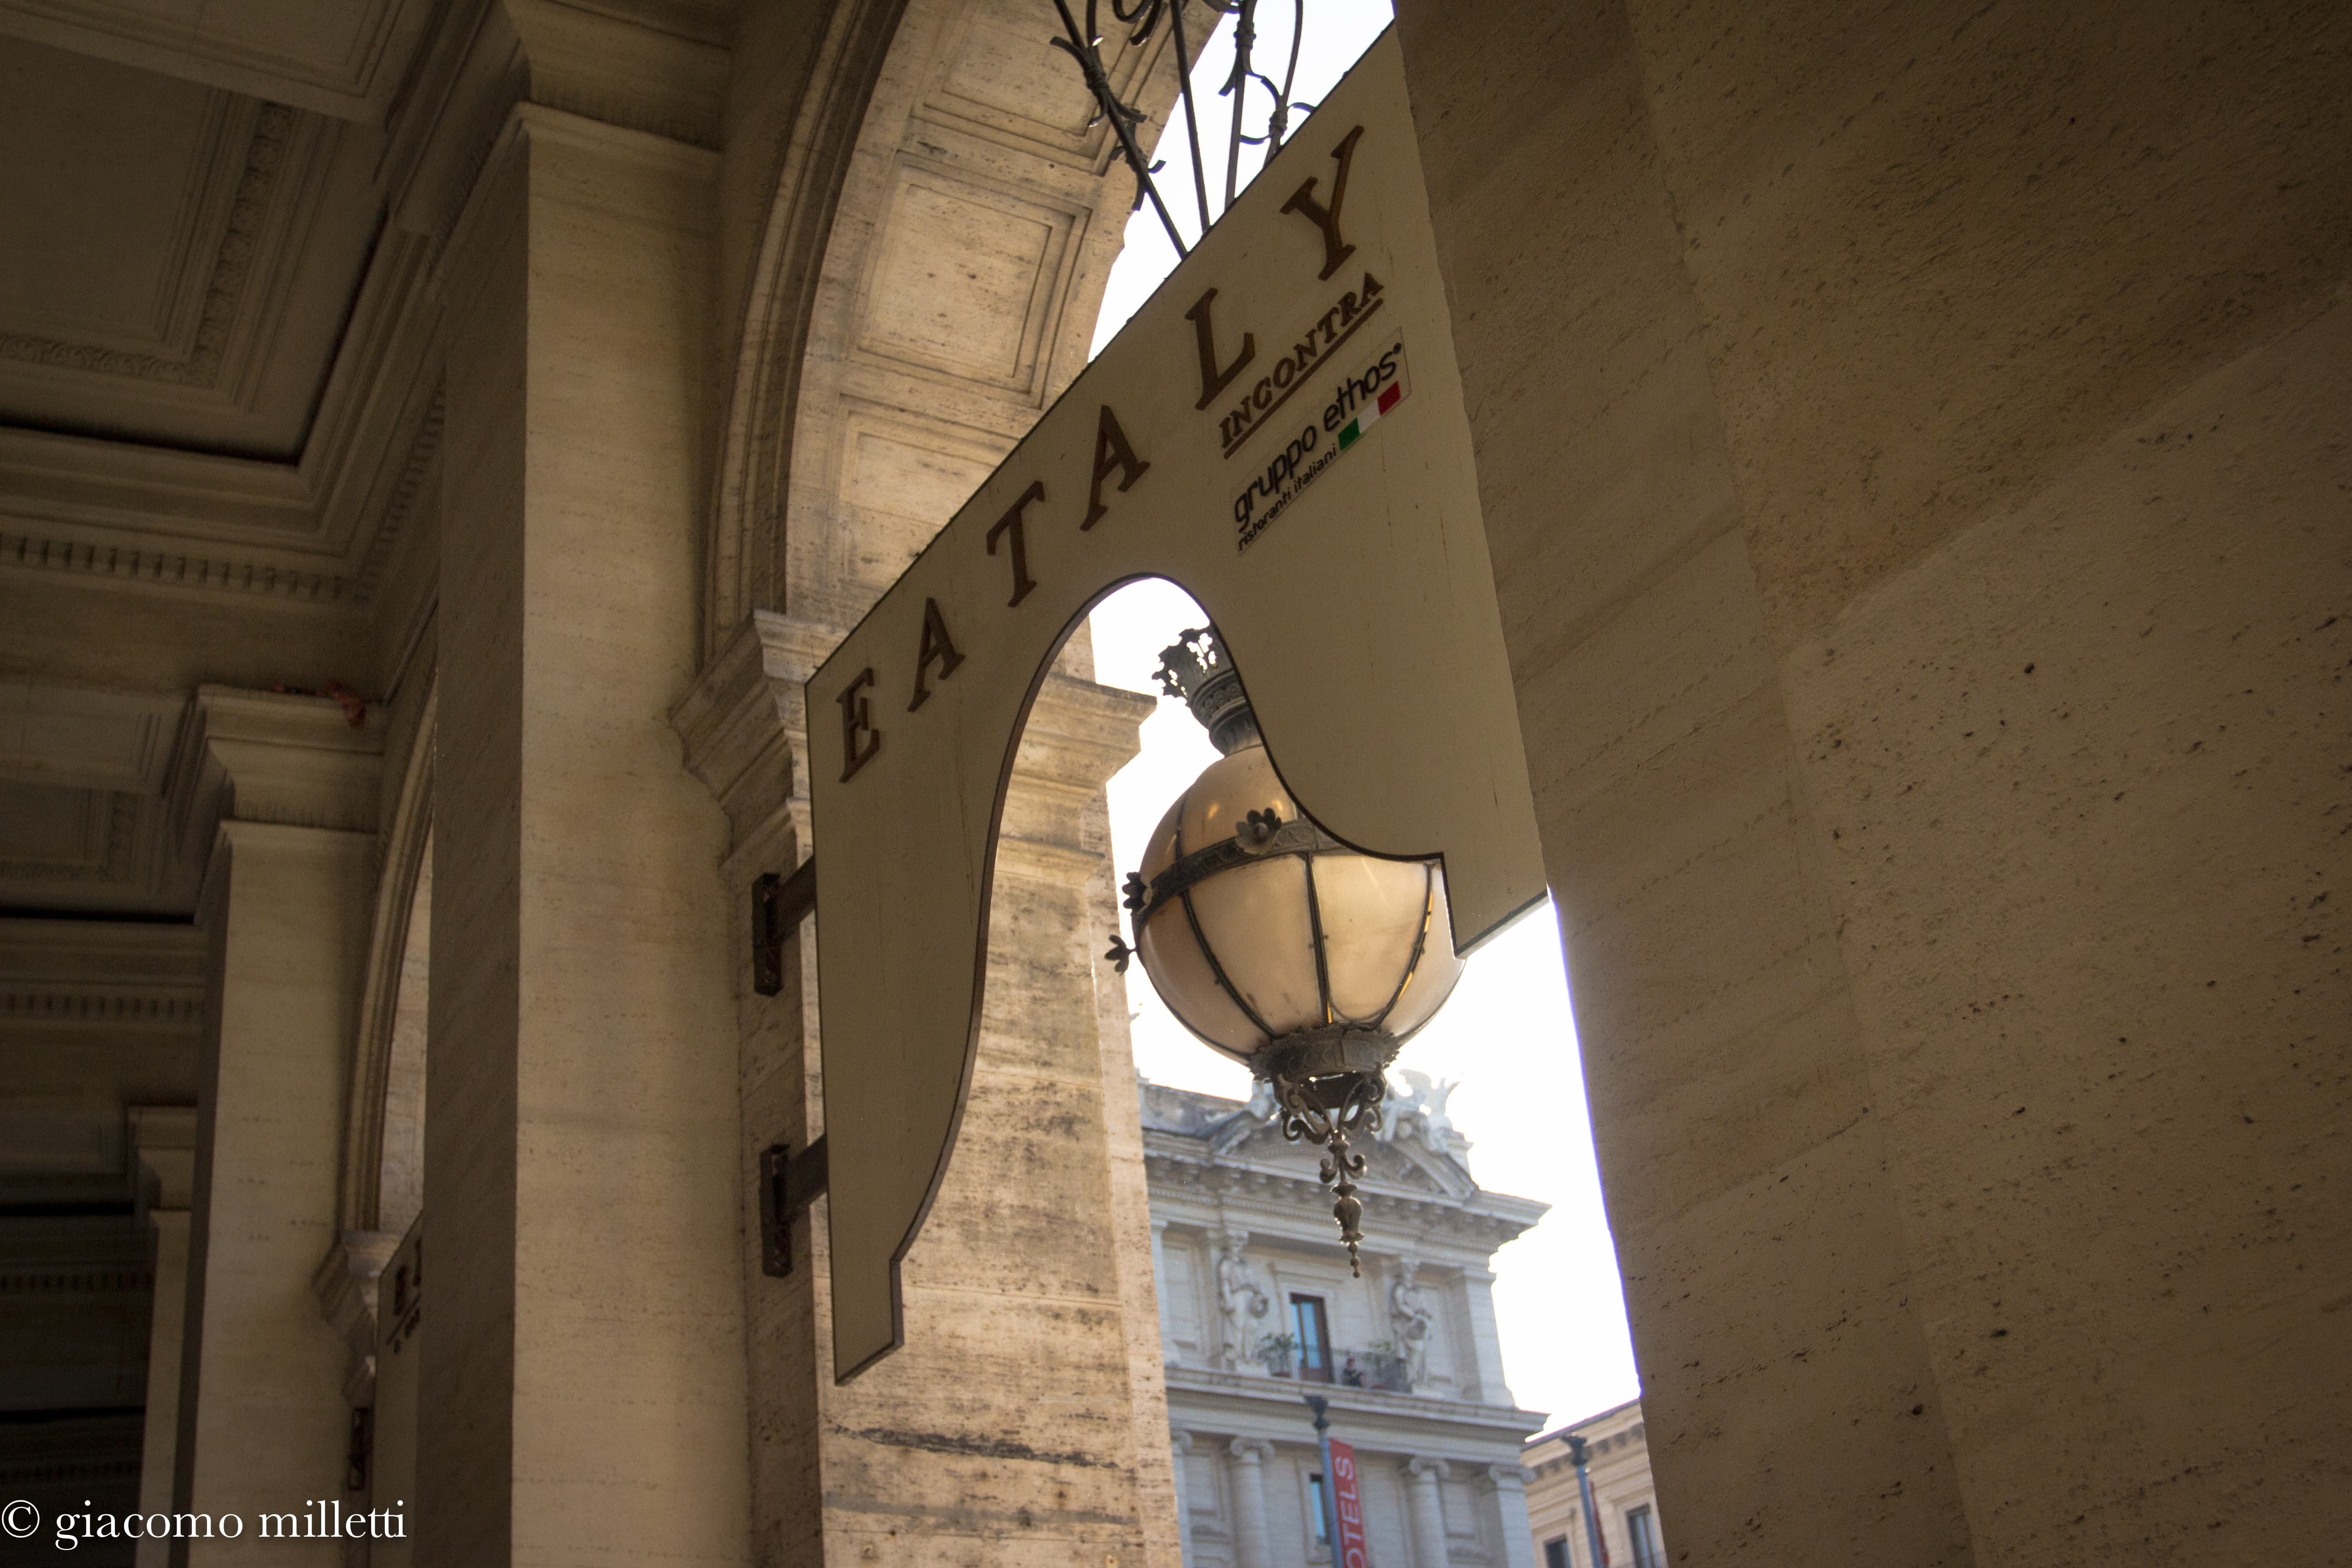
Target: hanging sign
[[1280, 431], [1348, 1503]]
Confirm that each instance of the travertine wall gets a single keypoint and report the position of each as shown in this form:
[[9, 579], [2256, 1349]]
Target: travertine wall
[[583, 1376], [1913, 452]]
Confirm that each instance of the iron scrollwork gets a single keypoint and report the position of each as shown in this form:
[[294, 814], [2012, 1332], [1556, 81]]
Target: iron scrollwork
[[1141, 19]]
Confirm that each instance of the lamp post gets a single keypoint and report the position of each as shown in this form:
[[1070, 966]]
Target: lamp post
[[1576, 1456], [1330, 1488], [1277, 945]]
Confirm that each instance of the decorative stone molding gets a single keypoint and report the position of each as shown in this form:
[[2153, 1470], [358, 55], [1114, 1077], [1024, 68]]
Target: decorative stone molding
[[316, 532], [164, 1148], [1418, 1466], [401, 504], [657, 70], [72, 974], [263, 756], [1504, 1477], [1278, 1191], [173, 569], [745, 726], [345, 1285], [1250, 1450]]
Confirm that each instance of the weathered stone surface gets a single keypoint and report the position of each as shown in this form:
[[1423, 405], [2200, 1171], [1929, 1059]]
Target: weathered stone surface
[[1907, 442]]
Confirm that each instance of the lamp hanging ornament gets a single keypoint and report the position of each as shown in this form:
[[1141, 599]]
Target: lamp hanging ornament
[[1276, 944]]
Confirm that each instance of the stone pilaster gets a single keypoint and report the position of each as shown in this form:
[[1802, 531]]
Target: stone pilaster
[[582, 1385], [1425, 1510], [1246, 1470], [262, 1421], [1159, 1271], [1502, 1490], [164, 1144], [744, 734], [1180, 1449]]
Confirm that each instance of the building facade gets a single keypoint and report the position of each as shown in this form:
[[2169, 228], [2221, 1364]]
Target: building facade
[[1259, 1308], [1625, 1498], [1910, 452]]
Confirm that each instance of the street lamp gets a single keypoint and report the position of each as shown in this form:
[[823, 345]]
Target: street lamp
[[1276, 944], [1578, 1456], [1331, 1489]]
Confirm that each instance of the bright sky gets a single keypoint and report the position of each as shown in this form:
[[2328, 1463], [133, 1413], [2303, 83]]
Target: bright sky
[[1507, 1034]]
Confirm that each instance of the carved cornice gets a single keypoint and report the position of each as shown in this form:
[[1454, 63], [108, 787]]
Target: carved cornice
[[317, 531], [401, 501], [173, 569], [262, 756], [76, 975], [1483, 1218]]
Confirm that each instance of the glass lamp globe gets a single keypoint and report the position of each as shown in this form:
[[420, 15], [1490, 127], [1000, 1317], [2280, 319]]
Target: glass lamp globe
[[1277, 945]]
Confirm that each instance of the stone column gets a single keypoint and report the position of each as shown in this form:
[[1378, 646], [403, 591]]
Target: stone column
[[1504, 1489], [583, 1371], [262, 1424], [1180, 1445], [1425, 1510], [1034, 1271], [1252, 1542], [164, 1142]]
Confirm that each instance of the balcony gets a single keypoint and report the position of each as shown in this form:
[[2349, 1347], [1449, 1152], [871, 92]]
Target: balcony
[[1378, 1367]]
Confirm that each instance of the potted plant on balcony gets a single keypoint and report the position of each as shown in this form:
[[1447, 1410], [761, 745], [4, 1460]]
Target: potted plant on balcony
[[1279, 1353]]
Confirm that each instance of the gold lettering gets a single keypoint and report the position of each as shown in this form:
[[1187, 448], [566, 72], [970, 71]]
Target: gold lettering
[[856, 720], [1112, 455], [936, 645], [1302, 202], [1212, 380], [1011, 522]]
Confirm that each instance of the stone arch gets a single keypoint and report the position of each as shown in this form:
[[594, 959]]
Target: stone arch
[[926, 283], [383, 1136], [381, 1190]]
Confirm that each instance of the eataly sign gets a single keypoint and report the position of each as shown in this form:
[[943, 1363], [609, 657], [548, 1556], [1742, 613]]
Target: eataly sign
[[1279, 431]]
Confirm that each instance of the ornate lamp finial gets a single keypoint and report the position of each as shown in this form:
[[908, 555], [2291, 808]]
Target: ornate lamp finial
[[1196, 669]]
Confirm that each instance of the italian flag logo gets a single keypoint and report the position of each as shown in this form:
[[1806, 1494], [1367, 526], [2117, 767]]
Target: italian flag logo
[[1390, 397]]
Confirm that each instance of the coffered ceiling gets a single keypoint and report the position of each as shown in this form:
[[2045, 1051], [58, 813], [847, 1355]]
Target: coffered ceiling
[[210, 359], [210, 377], [179, 260]]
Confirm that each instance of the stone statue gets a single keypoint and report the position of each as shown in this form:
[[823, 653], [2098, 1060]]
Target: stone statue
[[1238, 1299], [1411, 1319], [1424, 1101]]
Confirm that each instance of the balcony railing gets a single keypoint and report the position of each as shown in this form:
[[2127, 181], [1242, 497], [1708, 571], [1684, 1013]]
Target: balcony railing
[[1375, 1368]]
